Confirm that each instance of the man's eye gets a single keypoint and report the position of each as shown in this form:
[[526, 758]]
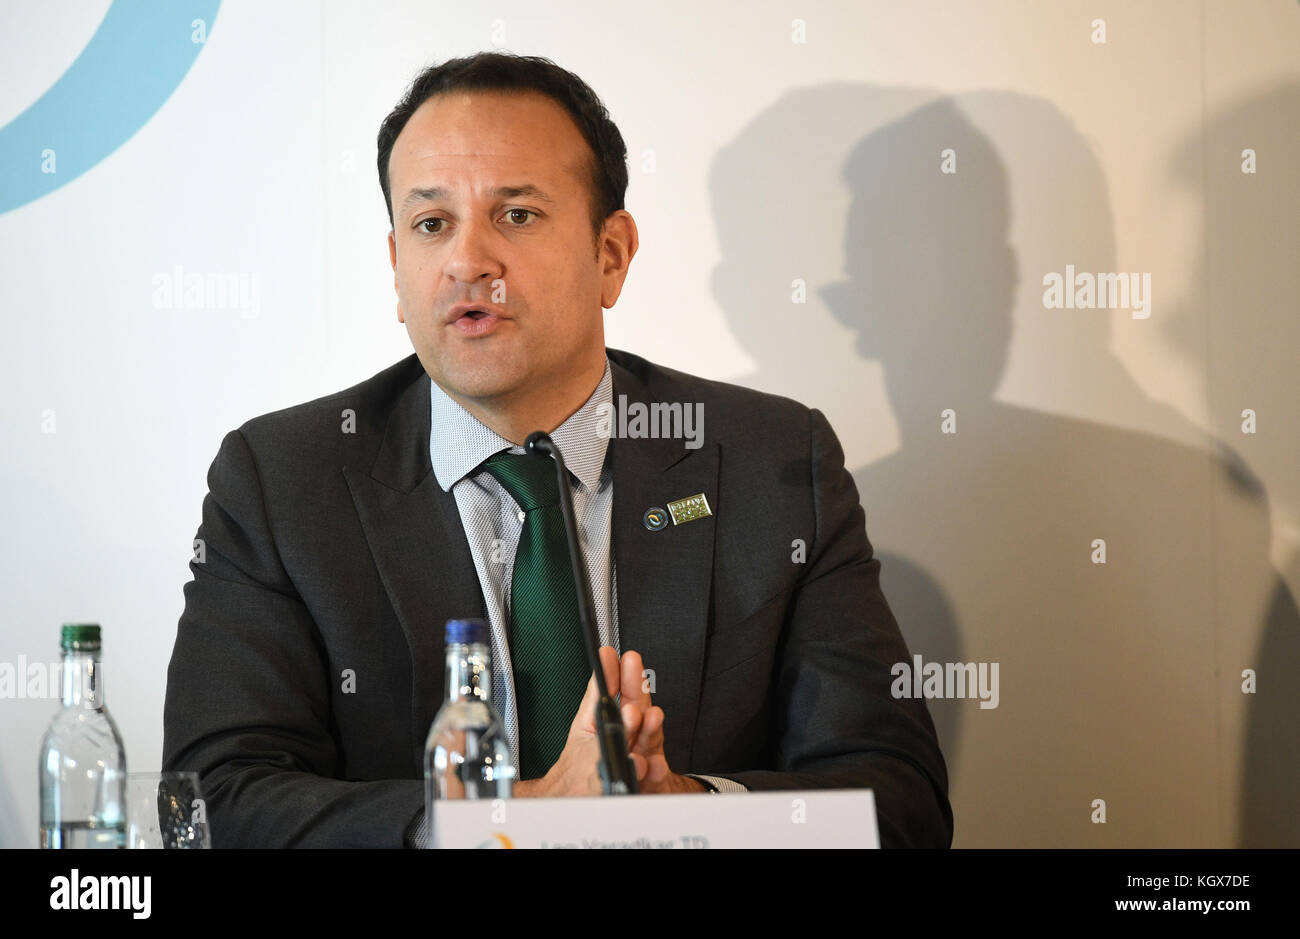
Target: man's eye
[[514, 214], [522, 211]]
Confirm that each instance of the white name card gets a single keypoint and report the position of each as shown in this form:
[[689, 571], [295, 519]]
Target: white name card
[[819, 818]]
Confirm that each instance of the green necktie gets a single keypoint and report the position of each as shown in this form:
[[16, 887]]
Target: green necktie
[[547, 652]]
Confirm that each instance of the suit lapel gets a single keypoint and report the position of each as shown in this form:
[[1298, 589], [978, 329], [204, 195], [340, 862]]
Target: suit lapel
[[664, 577], [419, 546]]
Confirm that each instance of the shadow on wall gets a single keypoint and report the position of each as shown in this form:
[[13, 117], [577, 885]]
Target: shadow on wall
[[989, 537], [1252, 265]]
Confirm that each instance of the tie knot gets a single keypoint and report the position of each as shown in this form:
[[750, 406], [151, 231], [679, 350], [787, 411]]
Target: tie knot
[[530, 480]]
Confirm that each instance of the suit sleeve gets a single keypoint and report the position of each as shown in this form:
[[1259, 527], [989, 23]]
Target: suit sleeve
[[837, 723], [248, 694]]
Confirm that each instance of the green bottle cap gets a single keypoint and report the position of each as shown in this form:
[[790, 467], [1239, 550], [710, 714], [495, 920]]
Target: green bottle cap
[[80, 636]]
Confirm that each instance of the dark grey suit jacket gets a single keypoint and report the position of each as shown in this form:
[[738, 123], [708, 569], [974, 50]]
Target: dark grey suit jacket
[[324, 551]]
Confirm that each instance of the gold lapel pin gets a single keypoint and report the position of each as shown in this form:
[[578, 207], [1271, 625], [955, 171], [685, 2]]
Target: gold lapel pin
[[689, 509]]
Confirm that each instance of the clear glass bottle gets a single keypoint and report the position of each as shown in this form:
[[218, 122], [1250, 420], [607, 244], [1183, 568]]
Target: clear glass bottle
[[467, 754], [83, 762]]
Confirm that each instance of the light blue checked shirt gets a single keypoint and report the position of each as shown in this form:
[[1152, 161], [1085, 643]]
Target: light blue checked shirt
[[458, 444]]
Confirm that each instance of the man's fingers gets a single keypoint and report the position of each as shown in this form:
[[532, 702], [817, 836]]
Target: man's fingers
[[640, 765], [650, 740], [632, 681], [585, 719], [609, 663], [633, 719]]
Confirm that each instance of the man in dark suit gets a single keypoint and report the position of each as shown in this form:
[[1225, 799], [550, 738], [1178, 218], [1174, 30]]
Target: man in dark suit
[[339, 535]]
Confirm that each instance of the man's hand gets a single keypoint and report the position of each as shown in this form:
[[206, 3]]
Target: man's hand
[[575, 773], [644, 721]]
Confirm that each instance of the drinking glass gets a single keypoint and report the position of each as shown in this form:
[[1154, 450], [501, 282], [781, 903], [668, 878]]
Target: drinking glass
[[165, 810]]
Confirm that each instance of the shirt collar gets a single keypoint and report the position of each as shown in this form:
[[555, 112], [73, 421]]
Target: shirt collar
[[459, 442]]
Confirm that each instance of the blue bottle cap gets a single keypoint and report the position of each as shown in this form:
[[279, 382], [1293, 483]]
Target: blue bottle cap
[[467, 631]]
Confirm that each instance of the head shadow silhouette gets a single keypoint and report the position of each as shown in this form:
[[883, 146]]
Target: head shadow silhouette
[[1251, 244], [1061, 536]]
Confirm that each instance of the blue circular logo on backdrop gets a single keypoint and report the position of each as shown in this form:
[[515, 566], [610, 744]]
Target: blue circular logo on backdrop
[[136, 59]]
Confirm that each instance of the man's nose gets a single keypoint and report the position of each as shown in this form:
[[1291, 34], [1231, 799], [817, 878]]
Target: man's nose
[[473, 256]]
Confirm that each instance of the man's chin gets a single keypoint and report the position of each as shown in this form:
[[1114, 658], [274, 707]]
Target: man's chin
[[479, 381]]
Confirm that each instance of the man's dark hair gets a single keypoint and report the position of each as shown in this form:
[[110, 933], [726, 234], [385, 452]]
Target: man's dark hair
[[518, 74]]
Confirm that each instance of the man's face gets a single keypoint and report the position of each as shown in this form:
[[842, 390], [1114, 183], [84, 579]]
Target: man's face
[[491, 207]]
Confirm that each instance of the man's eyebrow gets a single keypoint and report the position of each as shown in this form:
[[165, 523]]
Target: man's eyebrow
[[435, 193]]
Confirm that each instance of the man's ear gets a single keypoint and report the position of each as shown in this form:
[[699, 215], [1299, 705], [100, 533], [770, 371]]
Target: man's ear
[[619, 243], [392, 257]]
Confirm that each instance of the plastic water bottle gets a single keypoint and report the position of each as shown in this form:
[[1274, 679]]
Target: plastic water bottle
[[467, 754], [83, 762]]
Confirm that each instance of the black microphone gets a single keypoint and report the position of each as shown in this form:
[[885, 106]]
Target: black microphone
[[617, 774]]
